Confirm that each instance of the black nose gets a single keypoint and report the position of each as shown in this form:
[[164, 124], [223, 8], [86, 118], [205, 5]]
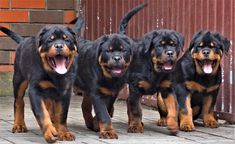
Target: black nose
[[169, 53], [59, 46], [116, 58], [206, 52]]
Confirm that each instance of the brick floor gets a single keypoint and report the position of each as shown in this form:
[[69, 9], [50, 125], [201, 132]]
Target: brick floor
[[153, 134]]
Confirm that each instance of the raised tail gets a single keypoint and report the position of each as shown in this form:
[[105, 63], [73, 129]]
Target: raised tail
[[124, 22], [79, 22], [12, 34]]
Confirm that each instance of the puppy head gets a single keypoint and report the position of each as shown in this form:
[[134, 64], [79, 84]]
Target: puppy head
[[207, 49], [114, 54], [163, 47], [57, 47]]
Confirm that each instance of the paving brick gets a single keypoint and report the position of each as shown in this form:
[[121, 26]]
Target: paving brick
[[152, 134], [46, 16], [25, 29], [60, 4], [14, 16], [28, 3]]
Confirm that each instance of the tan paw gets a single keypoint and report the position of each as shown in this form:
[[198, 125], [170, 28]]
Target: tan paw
[[187, 126], [111, 134], [162, 122], [211, 123], [66, 136], [19, 128], [50, 134], [172, 125], [135, 129]]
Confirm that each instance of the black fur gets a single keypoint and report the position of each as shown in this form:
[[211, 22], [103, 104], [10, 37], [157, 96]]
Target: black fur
[[147, 77], [102, 72], [12, 34], [198, 79], [33, 67], [124, 21]]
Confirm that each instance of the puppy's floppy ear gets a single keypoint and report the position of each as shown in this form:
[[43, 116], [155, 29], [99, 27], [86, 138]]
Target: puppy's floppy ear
[[148, 38], [75, 36], [97, 45], [180, 39], [39, 36], [198, 34], [224, 41]]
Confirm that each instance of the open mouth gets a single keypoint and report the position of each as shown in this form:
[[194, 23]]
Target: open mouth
[[116, 70], [59, 63], [167, 66], [207, 65]]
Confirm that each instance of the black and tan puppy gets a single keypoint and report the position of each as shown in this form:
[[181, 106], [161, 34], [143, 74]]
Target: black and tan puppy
[[104, 72], [198, 78], [151, 72], [45, 64]]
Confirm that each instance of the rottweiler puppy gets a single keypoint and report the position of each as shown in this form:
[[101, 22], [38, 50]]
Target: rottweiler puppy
[[45, 64], [105, 63], [198, 78], [150, 73]]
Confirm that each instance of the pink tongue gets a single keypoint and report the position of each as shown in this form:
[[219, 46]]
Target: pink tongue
[[117, 71], [207, 68], [60, 65], [167, 66]]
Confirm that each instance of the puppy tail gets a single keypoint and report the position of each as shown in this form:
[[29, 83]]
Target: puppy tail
[[79, 22], [12, 34], [124, 21]]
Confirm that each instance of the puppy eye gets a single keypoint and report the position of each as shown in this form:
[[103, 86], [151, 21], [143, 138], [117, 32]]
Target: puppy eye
[[201, 44], [52, 37], [172, 43], [212, 45], [162, 42], [65, 37], [109, 50]]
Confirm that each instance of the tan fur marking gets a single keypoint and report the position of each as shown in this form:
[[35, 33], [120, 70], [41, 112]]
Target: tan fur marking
[[186, 119], [192, 85], [166, 84], [102, 65], [212, 88], [45, 121], [46, 84], [106, 91], [207, 113], [19, 105], [161, 103], [170, 103], [144, 84]]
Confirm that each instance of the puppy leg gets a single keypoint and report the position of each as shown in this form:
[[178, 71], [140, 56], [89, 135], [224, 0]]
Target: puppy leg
[[87, 112], [162, 111], [42, 115], [20, 86], [171, 107], [207, 113], [105, 125], [134, 112], [61, 112], [185, 116]]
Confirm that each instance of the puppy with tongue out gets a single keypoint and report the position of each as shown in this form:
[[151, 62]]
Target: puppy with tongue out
[[150, 73], [198, 78], [45, 64]]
